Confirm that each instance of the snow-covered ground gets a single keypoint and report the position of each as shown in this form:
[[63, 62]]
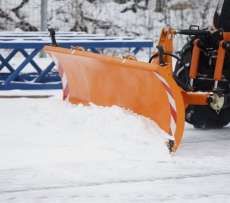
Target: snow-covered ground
[[52, 151]]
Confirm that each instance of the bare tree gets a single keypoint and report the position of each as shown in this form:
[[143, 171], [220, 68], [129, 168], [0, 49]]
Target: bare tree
[[160, 5]]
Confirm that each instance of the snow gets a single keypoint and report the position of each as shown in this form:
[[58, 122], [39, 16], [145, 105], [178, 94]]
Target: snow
[[107, 17], [52, 151]]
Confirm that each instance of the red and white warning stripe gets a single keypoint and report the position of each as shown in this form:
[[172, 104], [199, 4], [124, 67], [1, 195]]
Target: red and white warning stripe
[[65, 87], [172, 103]]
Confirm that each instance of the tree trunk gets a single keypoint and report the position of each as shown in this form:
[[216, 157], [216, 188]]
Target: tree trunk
[[160, 4]]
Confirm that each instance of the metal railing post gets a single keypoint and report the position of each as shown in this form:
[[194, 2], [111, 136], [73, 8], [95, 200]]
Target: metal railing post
[[44, 14], [44, 17]]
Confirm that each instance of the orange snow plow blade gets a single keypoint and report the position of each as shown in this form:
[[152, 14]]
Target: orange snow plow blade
[[144, 88]]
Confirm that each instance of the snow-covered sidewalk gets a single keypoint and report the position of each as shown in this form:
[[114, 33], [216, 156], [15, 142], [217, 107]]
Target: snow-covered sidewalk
[[52, 151]]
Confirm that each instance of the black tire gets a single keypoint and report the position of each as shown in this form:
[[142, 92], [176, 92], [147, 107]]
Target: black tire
[[202, 117]]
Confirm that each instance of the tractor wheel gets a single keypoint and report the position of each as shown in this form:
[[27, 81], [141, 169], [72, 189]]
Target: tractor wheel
[[202, 117]]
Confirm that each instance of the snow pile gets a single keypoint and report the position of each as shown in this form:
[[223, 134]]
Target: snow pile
[[49, 131], [51, 151]]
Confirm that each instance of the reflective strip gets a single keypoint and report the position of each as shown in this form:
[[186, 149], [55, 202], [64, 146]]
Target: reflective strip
[[65, 87], [62, 74], [172, 126], [172, 103]]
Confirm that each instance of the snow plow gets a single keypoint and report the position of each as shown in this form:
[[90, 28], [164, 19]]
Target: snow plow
[[154, 90]]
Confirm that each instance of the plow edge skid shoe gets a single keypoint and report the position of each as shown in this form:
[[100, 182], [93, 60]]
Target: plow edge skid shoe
[[146, 89]]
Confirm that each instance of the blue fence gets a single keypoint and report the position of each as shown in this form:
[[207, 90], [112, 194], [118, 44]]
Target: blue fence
[[39, 76]]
